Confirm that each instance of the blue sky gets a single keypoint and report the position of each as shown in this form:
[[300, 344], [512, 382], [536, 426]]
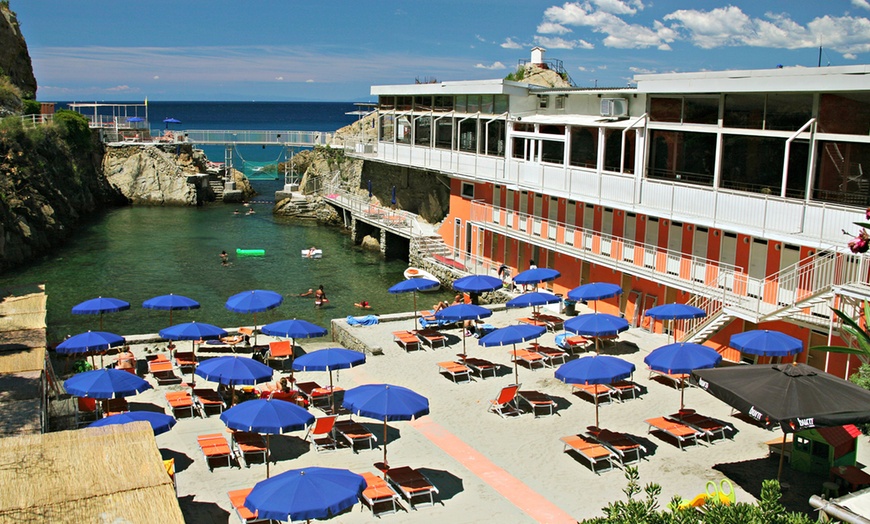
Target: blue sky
[[335, 50]]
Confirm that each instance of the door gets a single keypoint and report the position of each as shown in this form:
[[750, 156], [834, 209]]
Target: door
[[651, 239], [552, 218], [606, 229], [538, 210], [457, 237], [524, 210], [788, 283], [588, 221], [728, 256], [699, 253], [496, 204], [628, 235], [675, 246], [757, 267]]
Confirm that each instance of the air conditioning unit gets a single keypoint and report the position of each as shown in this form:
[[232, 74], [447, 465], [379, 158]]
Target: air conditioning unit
[[614, 107]]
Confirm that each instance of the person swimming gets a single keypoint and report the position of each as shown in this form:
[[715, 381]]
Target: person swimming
[[311, 252], [320, 297], [363, 304], [236, 212], [250, 211]]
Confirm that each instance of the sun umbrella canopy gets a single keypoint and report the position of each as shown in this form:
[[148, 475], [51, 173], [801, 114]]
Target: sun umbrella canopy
[[598, 369], [293, 329], [90, 341], [675, 312], [536, 276], [254, 301], [385, 402], [171, 120], [273, 417], [170, 302], [596, 325], [328, 359], [100, 305], [682, 358], [414, 284], [105, 383], [234, 370], [307, 493], [160, 422], [514, 334], [535, 298], [794, 396], [192, 331], [766, 343], [595, 291], [463, 312], [135, 119], [477, 283]]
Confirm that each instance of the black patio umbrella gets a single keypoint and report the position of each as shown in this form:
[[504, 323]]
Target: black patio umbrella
[[793, 396]]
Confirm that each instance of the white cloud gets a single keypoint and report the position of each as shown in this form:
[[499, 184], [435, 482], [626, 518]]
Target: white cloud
[[279, 78], [510, 44], [121, 88], [549, 28], [601, 18], [641, 70], [618, 7], [850, 56], [581, 68], [561, 43], [309, 81], [480, 38], [494, 66], [863, 4], [156, 77]]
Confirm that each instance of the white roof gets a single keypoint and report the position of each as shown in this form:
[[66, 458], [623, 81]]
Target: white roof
[[786, 79], [466, 87], [575, 120]]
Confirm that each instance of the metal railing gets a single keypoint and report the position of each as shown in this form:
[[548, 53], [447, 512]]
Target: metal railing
[[253, 137], [401, 222], [35, 120]]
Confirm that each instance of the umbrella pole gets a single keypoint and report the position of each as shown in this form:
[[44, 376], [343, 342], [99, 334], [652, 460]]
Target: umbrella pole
[[516, 366], [463, 341], [781, 457], [268, 452], [255, 330], [415, 311], [682, 393], [385, 448], [170, 317], [292, 358], [596, 409], [331, 392]]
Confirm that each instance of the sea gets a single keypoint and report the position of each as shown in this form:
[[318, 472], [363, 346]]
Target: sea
[[136, 253]]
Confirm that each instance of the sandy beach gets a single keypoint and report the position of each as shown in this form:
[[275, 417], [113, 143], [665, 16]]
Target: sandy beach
[[484, 466]]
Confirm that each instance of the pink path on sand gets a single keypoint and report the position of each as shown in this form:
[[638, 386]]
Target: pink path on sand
[[511, 488]]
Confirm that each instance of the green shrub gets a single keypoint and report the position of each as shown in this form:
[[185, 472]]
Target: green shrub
[[32, 107]]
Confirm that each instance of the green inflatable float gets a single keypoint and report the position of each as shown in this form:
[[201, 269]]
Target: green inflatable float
[[250, 252]]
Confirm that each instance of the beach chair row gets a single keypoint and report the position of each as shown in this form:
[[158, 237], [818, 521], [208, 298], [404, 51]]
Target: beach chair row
[[687, 426], [511, 399], [381, 495], [413, 340], [606, 393], [602, 447]]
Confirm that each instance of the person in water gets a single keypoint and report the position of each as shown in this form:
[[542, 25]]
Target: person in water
[[236, 212], [225, 258], [320, 297], [363, 304], [250, 211], [311, 252], [308, 293]]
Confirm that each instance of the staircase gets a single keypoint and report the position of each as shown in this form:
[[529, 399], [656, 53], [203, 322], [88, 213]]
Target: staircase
[[217, 187], [431, 245]]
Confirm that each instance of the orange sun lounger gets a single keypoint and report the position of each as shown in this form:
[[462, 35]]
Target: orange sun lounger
[[355, 433], [624, 388], [709, 426], [180, 401], [590, 450], [114, 406], [205, 399], [677, 430], [320, 433], [185, 360], [551, 356], [540, 403], [480, 366], [237, 499], [412, 484], [379, 493], [406, 339], [247, 444], [455, 370], [530, 358], [162, 371], [506, 402], [601, 391], [214, 446], [628, 450], [432, 337]]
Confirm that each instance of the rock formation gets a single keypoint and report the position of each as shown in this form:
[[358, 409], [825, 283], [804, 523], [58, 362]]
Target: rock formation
[[17, 80]]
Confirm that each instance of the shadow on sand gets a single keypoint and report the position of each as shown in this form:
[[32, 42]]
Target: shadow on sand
[[749, 474]]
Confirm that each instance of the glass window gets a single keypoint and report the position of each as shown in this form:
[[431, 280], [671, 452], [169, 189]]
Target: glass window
[[847, 113], [460, 103], [701, 110], [744, 111], [788, 112], [495, 132], [444, 103], [404, 103], [423, 131], [473, 103], [403, 130], [548, 129], [543, 101], [682, 156], [752, 164], [584, 147], [665, 109], [841, 175], [524, 128], [444, 133], [387, 127], [500, 104], [486, 104], [468, 135], [519, 148], [386, 102], [422, 103], [613, 148], [552, 152]]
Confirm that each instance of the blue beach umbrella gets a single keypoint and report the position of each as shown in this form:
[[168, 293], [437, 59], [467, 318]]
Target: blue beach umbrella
[[160, 422], [385, 402], [370, 188], [232, 370], [674, 312], [514, 334], [393, 199], [327, 360], [766, 343], [597, 369], [596, 325], [461, 313], [192, 331], [412, 285], [135, 119], [105, 383], [171, 120], [90, 341], [254, 301], [595, 291], [170, 303], [100, 305], [268, 417], [305, 494], [533, 299], [682, 358], [477, 284], [294, 329], [536, 276]]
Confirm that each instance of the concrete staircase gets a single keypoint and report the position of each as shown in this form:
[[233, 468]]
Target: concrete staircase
[[217, 187], [431, 245]]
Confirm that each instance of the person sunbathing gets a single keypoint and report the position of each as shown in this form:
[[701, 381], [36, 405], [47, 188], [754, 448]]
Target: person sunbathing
[[440, 305]]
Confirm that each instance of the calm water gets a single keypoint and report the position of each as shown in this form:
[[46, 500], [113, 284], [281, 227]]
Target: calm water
[[137, 253]]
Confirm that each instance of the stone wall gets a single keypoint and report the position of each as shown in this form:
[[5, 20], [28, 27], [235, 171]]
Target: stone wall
[[422, 192]]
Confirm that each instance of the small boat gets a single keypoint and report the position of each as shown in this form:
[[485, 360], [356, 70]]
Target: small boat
[[413, 272], [312, 253]]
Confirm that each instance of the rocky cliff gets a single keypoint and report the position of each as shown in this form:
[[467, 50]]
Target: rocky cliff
[[17, 80]]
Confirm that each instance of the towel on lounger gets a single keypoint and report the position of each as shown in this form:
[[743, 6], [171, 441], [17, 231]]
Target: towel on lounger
[[368, 320]]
